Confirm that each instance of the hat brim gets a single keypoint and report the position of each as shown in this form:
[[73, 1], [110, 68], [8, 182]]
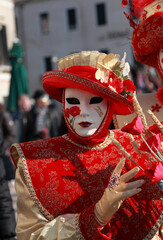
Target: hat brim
[[147, 39], [55, 81]]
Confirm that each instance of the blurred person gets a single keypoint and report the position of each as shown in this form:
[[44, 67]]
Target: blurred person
[[7, 215], [24, 102], [20, 117], [7, 131], [44, 118]]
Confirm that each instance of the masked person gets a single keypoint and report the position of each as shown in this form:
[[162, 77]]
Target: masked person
[[78, 186], [146, 17]]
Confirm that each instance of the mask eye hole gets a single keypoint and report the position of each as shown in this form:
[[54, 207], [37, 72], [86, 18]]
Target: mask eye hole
[[73, 101], [96, 100]]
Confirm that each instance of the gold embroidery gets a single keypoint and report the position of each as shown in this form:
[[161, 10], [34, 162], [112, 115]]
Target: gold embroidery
[[99, 111], [96, 147], [155, 228], [30, 185], [100, 88]]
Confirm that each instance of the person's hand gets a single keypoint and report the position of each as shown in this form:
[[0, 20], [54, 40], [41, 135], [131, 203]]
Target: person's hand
[[117, 191]]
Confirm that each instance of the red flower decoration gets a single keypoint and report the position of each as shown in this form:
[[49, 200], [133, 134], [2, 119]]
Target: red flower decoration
[[135, 127], [74, 111], [156, 107], [160, 95], [144, 15], [154, 128], [153, 142], [67, 112], [158, 6], [124, 3], [129, 86], [155, 173], [111, 75], [117, 84]]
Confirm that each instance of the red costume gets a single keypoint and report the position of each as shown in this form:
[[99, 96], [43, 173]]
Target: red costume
[[66, 178], [59, 181]]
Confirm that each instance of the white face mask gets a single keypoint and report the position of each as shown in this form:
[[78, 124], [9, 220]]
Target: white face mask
[[84, 111], [161, 58]]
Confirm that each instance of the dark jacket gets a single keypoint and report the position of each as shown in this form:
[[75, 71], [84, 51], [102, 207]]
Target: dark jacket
[[7, 132], [7, 215], [54, 124]]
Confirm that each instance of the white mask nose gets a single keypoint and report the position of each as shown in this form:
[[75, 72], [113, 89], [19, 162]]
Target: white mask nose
[[84, 110]]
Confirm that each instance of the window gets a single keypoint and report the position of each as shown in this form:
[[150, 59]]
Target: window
[[48, 64], [71, 17], [3, 46], [101, 14], [44, 23]]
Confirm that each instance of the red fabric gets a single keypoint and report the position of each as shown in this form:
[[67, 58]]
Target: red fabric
[[160, 95], [138, 7], [83, 71], [66, 178], [83, 77], [147, 39], [141, 3]]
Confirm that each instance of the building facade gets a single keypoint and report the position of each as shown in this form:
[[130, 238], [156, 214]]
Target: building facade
[[7, 35], [51, 29]]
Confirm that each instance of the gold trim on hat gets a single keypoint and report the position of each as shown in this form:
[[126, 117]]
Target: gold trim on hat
[[87, 83], [90, 58]]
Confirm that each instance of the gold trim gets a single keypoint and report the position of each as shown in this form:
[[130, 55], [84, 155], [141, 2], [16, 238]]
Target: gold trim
[[151, 8], [28, 180], [97, 86], [95, 147], [155, 228]]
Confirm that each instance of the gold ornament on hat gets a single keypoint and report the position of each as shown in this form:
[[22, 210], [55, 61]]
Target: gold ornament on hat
[[111, 71]]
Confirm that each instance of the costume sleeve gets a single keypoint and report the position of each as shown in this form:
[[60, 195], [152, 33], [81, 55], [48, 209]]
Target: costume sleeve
[[32, 225]]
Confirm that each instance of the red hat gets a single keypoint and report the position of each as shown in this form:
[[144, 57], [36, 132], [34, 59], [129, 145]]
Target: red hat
[[147, 36], [98, 73]]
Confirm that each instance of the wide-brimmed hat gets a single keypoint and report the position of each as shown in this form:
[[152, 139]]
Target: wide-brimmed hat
[[98, 73], [147, 36]]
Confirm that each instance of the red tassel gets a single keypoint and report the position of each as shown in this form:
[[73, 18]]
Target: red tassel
[[160, 95]]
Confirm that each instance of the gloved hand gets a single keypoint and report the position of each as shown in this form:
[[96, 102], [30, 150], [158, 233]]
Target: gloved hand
[[117, 191]]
